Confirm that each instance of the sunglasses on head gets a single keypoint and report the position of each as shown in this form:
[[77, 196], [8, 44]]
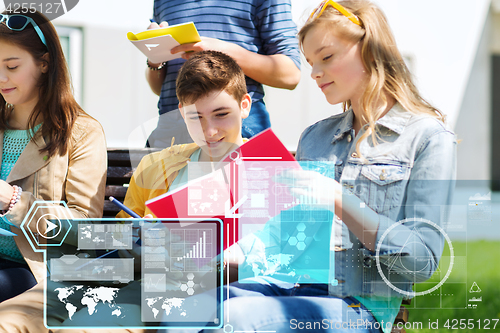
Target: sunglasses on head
[[341, 9], [17, 22]]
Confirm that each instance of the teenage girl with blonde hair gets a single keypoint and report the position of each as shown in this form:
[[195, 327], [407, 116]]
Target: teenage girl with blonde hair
[[394, 163]]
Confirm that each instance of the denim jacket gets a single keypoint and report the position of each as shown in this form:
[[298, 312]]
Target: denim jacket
[[404, 183]]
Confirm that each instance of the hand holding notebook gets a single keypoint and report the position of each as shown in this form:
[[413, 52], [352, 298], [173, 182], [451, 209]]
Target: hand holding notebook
[[197, 198], [157, 43]]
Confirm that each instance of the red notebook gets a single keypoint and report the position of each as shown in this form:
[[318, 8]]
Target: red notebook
[[216, 195]]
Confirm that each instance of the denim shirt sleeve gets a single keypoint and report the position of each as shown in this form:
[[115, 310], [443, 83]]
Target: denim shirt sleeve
[[418, 240]]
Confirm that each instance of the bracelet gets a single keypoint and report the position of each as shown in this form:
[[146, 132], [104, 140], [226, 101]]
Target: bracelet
[[16, 196], [155, 68]]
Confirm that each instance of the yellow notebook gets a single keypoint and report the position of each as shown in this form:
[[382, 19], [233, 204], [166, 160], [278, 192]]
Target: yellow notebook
[[157, 43]]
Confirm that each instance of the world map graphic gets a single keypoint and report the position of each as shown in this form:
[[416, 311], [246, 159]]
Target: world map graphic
[[90, 298]]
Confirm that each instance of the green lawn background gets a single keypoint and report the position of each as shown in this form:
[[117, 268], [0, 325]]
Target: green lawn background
[[475, 261]]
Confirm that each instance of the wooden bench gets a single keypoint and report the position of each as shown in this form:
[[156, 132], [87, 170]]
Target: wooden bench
[[401, 318], [121, 163]]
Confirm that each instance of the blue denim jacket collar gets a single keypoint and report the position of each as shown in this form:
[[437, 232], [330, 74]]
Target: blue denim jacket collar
[[396, 120], [344, 126]]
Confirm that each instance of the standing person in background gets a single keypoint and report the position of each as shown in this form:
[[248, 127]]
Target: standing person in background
[[259, 34], [51, 151]]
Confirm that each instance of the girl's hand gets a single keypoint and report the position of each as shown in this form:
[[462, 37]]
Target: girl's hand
[[6, 192], [234, 255], [311, 187]]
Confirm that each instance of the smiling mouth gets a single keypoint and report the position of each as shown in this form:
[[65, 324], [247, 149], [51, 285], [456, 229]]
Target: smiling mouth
[[8, 90], [213, 144], [325, 85]]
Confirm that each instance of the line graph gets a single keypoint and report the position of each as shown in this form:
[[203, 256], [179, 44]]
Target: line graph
[[155, 283]]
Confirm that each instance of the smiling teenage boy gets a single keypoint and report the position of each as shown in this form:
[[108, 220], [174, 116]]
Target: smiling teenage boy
[[213, 101]]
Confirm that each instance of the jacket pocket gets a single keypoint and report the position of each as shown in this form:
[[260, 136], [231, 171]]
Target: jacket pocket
[[383, 185]]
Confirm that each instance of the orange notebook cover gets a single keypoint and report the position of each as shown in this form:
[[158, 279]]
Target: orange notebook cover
[[216, 195]]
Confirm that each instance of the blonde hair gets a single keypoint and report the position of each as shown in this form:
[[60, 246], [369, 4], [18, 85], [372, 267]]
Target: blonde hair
[[388, 74]]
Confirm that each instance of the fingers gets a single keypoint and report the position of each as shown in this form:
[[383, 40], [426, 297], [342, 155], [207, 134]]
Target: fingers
[[294, 177], [6, 193], [184, 48], [155, 25]]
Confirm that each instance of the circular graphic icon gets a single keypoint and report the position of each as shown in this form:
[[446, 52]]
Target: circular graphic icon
[[397, 259], [52, 226]]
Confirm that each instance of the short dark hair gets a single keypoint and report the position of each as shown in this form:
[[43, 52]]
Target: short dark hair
[[208, 71]]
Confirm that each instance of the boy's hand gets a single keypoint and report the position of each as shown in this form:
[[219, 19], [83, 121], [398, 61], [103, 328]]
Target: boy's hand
[[206, 43], [135, 252]]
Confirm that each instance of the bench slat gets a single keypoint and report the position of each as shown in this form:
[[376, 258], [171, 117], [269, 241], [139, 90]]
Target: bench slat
[[117, 191]]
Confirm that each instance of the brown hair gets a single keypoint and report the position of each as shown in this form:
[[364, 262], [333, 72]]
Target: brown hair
[[208, 71], [56, 105], [388, 73]]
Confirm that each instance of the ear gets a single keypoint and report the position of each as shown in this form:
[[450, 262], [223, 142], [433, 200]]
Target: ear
[[44, 66], [181, 110], [245, 106]]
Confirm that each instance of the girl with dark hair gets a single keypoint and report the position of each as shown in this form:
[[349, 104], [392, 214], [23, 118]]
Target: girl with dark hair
[[51, 150]]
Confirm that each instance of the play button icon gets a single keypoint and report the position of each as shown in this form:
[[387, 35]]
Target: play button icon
[[48, 226]]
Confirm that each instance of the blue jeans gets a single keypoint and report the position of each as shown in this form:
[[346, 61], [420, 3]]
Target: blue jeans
[[15, 278], [257, 121], [267, 304]]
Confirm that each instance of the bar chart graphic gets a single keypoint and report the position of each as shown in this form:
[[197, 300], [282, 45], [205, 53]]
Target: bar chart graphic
[[191, 249]]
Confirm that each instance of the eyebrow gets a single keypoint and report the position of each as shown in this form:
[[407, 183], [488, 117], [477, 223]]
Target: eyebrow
[[319, 50], [11, 58], [218, 109]]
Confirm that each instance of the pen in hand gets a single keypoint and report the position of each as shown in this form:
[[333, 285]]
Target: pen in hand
[[124, 208], [129, 212]]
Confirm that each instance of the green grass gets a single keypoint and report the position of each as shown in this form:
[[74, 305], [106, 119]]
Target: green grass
[[474, 262]]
